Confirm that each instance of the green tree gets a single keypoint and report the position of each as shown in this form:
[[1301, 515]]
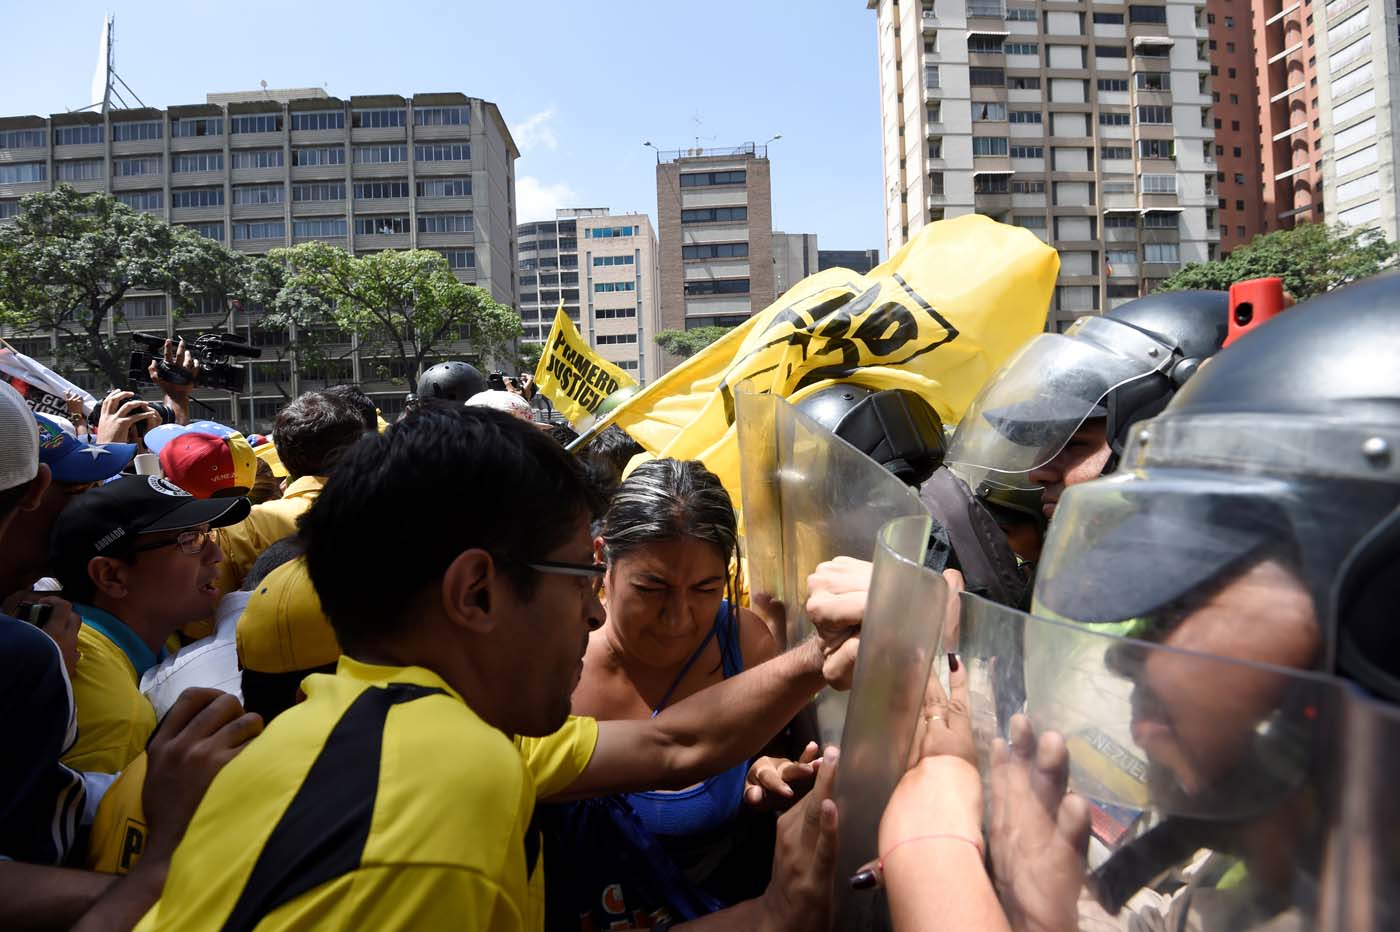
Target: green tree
[[1311, 258], [68, 260], [403, 305], [529, 356], [686, 343]]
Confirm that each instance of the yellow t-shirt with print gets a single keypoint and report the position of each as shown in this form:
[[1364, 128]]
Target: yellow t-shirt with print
[[114, 720], [381, 802]]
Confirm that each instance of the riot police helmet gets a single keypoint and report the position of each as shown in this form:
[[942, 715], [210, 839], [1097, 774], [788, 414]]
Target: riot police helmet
[[896, 428], [450, 381]]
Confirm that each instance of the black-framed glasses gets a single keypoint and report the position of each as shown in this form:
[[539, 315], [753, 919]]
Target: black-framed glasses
[[191, 542], [593, 572]]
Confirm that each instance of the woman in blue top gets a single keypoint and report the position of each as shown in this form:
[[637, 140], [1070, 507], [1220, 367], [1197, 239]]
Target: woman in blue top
[[670, 543]]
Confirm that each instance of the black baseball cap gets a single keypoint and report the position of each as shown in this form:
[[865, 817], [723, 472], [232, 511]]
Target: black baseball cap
[[96, 522]]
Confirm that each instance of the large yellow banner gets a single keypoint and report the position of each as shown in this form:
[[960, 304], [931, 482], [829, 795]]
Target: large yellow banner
[[939, 318], [571, 375]]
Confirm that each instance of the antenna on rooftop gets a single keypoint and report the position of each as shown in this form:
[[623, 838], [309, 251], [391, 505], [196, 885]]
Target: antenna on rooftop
[[106, 95]]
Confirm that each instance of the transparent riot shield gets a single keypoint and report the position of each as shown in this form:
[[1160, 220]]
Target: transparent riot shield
[[905, 621], [1215, 786]]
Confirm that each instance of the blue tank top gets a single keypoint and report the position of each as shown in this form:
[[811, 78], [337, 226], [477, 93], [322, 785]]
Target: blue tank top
[[713, 802]]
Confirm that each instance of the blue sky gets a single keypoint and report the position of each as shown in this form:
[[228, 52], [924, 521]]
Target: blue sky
[[582, 84]]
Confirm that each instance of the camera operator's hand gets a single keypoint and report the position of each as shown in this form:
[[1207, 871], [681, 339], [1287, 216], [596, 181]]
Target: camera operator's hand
[[177, 395], [77, 414], [527, 386], [121, 412]]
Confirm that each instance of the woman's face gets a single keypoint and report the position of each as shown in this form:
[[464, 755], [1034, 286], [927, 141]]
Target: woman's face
[[662, 599]]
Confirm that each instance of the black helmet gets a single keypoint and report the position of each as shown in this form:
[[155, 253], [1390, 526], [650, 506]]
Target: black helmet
[[1285, 449], [450, 381], [896, 428]]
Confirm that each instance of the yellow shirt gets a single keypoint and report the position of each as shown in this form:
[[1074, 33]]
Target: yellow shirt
[[381, 802], [114, 720], [266, 524]]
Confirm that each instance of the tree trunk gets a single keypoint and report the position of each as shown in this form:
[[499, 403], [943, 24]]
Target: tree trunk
[[101, 355]]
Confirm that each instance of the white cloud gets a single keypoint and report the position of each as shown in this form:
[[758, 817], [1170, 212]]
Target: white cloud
[[536, 132], [535, 200]]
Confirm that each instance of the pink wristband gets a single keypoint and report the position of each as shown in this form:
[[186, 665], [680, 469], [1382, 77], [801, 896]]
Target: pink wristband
[[951, 835]]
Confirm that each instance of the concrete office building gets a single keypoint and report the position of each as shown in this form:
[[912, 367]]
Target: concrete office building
[[265, 169], [857, 260], [1358, 77], [604, 270], [1090, 126], [794, 258], [714, 208]]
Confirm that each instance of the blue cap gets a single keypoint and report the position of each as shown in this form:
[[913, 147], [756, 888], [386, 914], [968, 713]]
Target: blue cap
[[72, 460]]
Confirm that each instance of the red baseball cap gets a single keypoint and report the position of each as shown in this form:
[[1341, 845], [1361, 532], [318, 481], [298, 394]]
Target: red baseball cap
[[207, 466]]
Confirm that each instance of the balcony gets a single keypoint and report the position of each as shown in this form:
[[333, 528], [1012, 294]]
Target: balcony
[[986, 9]]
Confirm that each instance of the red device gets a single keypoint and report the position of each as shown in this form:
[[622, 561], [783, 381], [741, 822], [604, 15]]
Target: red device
[[1252, 303]]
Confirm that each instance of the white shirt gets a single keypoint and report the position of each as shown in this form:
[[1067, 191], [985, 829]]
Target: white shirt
[[211, 661]]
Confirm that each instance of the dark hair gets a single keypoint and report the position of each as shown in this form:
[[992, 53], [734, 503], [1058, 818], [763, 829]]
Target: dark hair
[[609, 453], [563, 434], [314, 431], [278, 552], [410, 500], [665, 500], [357, 399]]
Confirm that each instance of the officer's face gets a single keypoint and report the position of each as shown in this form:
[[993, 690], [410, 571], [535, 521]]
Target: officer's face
[[1196, 720], [1082, 460]]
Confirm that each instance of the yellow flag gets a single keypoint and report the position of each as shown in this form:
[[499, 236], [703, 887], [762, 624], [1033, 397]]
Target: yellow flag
[[939, 318], [575, 379]]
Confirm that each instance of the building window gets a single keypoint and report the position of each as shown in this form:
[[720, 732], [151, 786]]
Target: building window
[[711, 287], [444, 223], [1156, 149], [1115, 153], [1239, 205], [382, 225], [197, 126], [318, 120], [1153, 81], [1028, 152], [140, 165], [986, 77], [1017, 14], [706, 179], [616, 232], [1023, 84], [1113, 85], [78, 170], [23, 139], [214, 231], [614, 313], [1119, 222], [86, 135], [1027, 187], [444, 187], [1147, 14], [989, 145], [323, 226], [935, 148], [443, 152], [1114, 118], [1108, 19], [126, 132], [1238, 152], [608, 339], [985, 111], [142, 200], [991, 184], [380, 155], [256, 123], [197, 197], [1239, 177], [982, 43], [377, 119], [1159, 184], [1160, 220], [256, 158], [604, 261], [1229, 22], [1025, 116], [1030, 221], [931, 80], [1154, 114], [380, 190], [1111, 51], [319, 191], [1021, 48], [934, 113], [710, 215], [460, 258], [259, 193], [196, 162], [442, 116], [318, 155], [1168, 253]]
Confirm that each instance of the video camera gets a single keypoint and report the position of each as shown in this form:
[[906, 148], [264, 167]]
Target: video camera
[[497, 381], [213, 350]]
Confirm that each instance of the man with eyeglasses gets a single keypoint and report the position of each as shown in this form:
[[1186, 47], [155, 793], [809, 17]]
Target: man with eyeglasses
[[137, 559]]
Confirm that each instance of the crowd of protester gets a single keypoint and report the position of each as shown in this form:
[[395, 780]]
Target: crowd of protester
[[446, 673]]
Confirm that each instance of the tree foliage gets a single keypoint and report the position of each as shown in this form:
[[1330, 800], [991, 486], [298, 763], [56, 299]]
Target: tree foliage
[[403, 305], [1311, 258], [686, 343], [69, 260]]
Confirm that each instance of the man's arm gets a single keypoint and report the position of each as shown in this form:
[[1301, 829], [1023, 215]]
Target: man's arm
[[715, 729], [36, 896]]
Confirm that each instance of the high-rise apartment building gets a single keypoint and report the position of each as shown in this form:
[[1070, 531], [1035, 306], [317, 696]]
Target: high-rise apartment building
[[1088, 124], [265, 169], [1358, 79], [794, 258], [603, 268], [857, 260], [714, 208], [1242, 210]]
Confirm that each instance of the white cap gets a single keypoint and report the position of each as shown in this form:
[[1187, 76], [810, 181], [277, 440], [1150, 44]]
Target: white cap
[[19, 440], [509, 402]]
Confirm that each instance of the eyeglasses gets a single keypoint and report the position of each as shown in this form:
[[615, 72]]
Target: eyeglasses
[[191, 542], [592, 571]]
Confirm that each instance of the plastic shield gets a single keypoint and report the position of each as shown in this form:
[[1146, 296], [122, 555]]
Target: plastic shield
[[1216, 787], [902, 635]]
